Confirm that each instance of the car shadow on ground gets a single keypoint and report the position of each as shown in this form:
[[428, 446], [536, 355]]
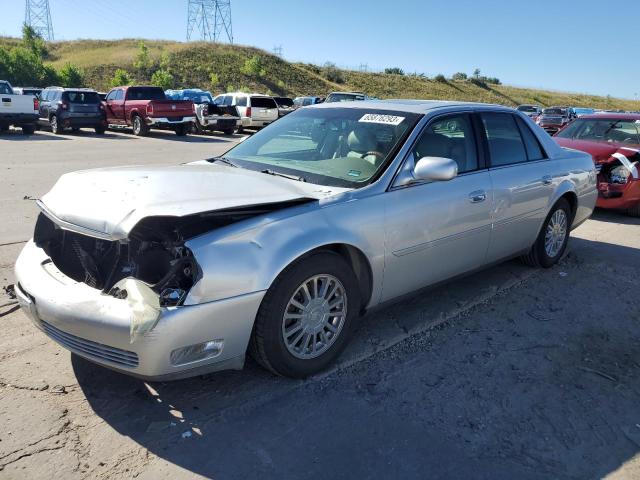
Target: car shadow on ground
[[18, 136], [191, 138], [541, 381], [614, 216]]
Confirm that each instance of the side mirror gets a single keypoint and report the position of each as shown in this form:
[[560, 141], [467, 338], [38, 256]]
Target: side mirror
[[435, 168]]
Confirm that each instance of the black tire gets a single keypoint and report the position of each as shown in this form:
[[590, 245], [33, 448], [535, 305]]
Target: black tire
[[55, 125], [267, 345], [634, 211], [181, 130], [196, 128], [100, 130], [538, 256], [75, 129], [229, 131], [28, 129], [140, 129], [4, 128], [240, 129]]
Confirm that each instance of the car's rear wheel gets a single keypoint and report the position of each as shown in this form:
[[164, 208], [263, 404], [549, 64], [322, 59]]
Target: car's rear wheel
[[55, 125], [140, 129], [100, 130], [553, 237], [307, 316], [28, 129], [229, 131]]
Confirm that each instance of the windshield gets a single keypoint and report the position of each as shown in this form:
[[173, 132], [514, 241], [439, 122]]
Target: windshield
[[145, 93], [603, 130], [344, 97], [527, 108], [283, 101], [342, 147], [84, 98], [554, 111], [194, 96]]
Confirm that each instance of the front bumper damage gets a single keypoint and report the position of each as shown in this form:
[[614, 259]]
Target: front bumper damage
[[109, 331], [619, 181]]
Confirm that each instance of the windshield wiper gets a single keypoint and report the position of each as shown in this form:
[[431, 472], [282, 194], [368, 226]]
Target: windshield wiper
[[284, 175], [224, 160]]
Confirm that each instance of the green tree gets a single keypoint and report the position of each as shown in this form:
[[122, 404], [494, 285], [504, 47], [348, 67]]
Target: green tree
[[163, 79], [142, 63], [34, 41], [25, 67], [253, 67], [440, 78], [49, 76], [121, 77], [476, 73], [71, 76], [332, 73], [214, 80], [459, 76]]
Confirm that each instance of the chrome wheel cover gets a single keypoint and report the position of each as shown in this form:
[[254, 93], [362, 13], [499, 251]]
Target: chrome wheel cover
[[556, 233], [314, 316]]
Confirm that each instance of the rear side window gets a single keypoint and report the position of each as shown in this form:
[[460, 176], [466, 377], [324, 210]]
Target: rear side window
[[241, 102], [84, 98], [146, 93], [503, 137], [534, 150], [263, 102]]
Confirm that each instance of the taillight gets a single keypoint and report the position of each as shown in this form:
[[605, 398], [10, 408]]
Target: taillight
[[149, 109], [36, 104], [248, 111], [205, 110]]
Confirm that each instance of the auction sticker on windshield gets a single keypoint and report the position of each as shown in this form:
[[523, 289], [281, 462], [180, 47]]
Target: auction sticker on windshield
[[379, 118]]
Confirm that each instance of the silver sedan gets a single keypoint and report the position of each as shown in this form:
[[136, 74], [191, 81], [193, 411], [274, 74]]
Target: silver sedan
[[280, 245]]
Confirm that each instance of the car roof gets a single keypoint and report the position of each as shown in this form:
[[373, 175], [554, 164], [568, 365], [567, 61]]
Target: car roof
[[613, 116], [404, 105]]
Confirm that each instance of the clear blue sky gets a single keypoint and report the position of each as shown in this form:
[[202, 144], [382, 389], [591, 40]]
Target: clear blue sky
[[570, 45]]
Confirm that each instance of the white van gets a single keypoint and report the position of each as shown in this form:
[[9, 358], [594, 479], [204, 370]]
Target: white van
[[255, 110]]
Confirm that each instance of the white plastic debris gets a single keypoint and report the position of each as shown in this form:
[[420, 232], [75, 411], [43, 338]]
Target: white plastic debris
[[144, 305], [186, 434]]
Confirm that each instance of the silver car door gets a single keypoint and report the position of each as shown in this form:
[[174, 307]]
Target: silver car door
[[437, 230], [522, 184]]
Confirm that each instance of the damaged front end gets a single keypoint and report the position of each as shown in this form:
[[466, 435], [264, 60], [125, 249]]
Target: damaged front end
[[151, 269], [617, 177]]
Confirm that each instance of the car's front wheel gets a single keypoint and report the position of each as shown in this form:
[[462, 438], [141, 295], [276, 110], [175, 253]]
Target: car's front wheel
[[553, 237], [55, 125], [307, 316]]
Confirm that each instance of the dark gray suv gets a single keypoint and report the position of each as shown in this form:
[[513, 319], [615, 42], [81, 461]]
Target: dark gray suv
[[74, 108]]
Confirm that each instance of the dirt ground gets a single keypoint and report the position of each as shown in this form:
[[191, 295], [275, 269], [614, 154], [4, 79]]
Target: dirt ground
[[509, 373]]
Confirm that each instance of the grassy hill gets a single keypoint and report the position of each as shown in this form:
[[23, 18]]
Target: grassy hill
[[191, 65]]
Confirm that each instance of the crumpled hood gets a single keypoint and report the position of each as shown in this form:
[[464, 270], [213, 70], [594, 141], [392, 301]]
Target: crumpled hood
[[111, 201], [600, 151]]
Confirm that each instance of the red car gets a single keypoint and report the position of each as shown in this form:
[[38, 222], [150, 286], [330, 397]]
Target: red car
[[613, 140], [143, 108]]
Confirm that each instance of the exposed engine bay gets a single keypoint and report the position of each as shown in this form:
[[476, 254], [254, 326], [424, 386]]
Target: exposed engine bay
[[154, 253], [616, 173]]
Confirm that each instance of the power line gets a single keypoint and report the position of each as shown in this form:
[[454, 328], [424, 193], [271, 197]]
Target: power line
[[37, 15], [209, 20]]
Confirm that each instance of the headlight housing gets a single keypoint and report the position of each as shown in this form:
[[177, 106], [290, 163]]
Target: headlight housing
[[619, 174]]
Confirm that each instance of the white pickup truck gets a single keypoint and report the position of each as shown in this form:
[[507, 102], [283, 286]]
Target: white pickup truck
[[17, 110]]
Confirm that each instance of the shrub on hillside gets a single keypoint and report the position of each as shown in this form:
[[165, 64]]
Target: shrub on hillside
[[120, 78], [162, 78], [440, 78], [459, 76], [253, 67], [394, 71], [332, 73], [71, 76]]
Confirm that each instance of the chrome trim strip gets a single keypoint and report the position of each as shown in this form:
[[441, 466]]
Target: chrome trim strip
[[440, 241], [72, 227]]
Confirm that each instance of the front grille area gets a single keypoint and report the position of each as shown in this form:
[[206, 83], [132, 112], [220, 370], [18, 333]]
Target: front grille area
[[92, 349]]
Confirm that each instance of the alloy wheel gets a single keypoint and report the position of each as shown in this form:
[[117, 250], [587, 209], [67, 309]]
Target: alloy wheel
[[314, 316], [556, 233]]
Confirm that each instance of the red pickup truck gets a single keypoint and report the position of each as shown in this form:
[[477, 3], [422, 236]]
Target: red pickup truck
[[144, 108]]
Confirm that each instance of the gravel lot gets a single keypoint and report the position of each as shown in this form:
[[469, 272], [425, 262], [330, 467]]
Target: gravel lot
[[508, 373]]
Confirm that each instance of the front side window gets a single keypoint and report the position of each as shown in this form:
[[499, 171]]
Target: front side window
[[228, 100], [343, 147], [449, 137], [503, 137], [111, 95], [603, 130]]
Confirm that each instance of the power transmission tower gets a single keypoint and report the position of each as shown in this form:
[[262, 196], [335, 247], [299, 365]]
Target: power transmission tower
[[209, 20], [38, 16], [277, 51]]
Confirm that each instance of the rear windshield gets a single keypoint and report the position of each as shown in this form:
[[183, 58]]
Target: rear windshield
[[283, 101], [263, 102], [344, 97], [554, 111], [145, 93], [85, 98], [5, 89], [527, 108]]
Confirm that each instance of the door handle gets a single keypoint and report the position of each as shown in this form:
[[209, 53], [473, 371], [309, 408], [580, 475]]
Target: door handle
[[477, 196], [547, 180]]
